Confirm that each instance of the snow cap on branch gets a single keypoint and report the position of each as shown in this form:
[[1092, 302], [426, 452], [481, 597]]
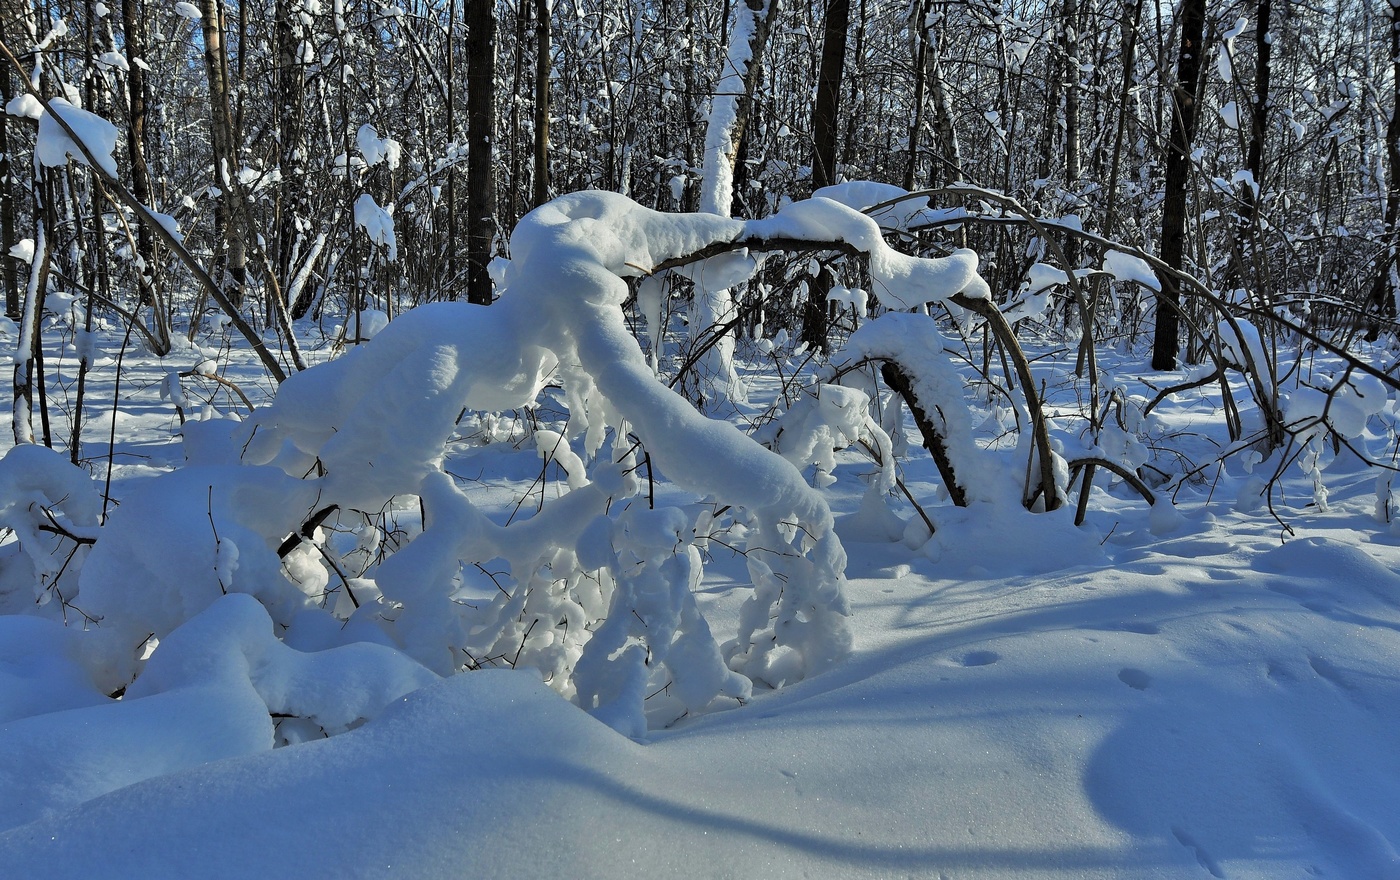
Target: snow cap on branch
[[54, 146], [378, 224]]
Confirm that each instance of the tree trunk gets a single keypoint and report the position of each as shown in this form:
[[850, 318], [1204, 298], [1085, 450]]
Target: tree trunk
[[293, 203], [7, 195], [1166, 342], [951, 157], [1382, 296], [225, 146], [134, 31], [1132, 13], [542, 72], [1259, 109], [827, 107], [517, 192], [481, 119], [729, 112], [916, 123], [29, 352], [1069, 41], [1245, 245], [815, 315]]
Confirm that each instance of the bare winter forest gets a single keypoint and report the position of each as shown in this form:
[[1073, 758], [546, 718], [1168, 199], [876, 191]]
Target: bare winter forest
[[1253, 146]]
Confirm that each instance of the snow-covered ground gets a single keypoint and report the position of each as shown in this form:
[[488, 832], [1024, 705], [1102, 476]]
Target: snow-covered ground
[[1148, 695]]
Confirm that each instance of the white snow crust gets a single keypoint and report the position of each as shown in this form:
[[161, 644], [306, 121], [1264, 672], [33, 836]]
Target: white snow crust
[[239, 668], [54, 147]]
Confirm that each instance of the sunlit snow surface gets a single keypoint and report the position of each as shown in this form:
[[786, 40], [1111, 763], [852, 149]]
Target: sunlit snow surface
[[1023, 699]]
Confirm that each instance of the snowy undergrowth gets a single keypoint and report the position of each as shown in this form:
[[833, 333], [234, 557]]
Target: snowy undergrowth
[[335, 507], [1023, 697], [594, 539]]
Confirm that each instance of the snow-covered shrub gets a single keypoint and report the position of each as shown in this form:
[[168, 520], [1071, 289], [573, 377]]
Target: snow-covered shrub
[[594, 591], [52, 508], [1338, 411], [332, 508], [912, 345], [827, 419]]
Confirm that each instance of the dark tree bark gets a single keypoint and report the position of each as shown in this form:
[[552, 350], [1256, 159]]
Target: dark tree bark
[[518, 192], [1245, 246], [1166, 342], [134, 28], [542, 70], [293, 202], [232, 211], [1132, 13], [7, 196], [1259, 107], [825, 112], [1382, 296], [481, 118], [451, 243], [815, 316]]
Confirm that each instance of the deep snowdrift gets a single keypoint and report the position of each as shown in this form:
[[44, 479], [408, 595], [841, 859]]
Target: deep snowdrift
[[1166, 691], [1194, 705]]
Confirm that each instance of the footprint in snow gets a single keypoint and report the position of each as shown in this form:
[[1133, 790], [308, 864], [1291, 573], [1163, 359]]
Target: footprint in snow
[[980, 658], [1203, 858], [1135, 679], [1326, 669]]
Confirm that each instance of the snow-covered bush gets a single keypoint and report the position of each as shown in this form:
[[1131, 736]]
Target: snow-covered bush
[[52, 508], [596, 590]]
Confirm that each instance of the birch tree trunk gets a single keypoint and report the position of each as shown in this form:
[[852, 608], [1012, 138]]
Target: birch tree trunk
[[7, 195], [729, 110]]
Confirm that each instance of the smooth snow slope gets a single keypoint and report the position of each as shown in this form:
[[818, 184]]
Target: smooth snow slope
[[1187, 706]]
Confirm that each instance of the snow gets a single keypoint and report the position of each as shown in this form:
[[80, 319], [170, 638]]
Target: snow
[[25, 106], [721, 669], [188, 11], [378, 224], [902, 212], [1041, 279], [914, 342], [1129, 268], [206, 694], [113, 61], [717, 183], [54, 146], [715, 306], [1230, 115], [170, 224], [899, 280], [1144, 718], [1242, 347], [23, 250], [376, 149]]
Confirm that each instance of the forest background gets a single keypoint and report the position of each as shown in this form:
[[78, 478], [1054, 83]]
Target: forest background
[[1253, 145]]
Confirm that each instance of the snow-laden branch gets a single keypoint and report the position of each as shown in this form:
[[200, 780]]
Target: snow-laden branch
[[594, 591]]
